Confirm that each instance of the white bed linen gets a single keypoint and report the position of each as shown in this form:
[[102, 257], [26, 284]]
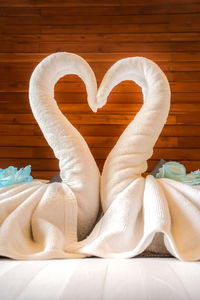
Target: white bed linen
[[95, 279]]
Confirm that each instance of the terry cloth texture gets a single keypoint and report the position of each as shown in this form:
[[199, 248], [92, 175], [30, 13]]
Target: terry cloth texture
[[161, 214], [42, 221], [39, 220]]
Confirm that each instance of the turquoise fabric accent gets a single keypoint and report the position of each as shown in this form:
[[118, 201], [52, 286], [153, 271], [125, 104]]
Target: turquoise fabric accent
[[177, 171], [11, 176]]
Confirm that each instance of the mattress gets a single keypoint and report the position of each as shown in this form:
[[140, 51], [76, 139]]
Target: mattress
[[95, 279]]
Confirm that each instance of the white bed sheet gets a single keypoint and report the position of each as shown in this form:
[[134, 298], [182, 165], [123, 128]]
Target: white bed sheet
[[95, 279]]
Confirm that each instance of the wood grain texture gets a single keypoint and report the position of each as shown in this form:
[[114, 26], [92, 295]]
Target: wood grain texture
[[166, 31]]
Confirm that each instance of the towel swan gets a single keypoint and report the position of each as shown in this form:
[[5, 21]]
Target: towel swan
[[137, 209], [41, 221]]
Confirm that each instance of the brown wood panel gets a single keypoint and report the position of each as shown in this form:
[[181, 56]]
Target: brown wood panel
[[124, 38], [170, 57], [23, 86], [21, 71], [178, 108], [18, 11], [68, 98], [94, 141], [98, 152], [117, 47], [135, 9], [99, 118], [102, 32], [116, 130], [20, 67], [96, 28]]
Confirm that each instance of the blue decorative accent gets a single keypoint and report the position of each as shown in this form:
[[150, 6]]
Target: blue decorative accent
[[177, 171], [11, 176]]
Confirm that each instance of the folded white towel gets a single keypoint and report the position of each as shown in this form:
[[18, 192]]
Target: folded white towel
[[39, 220], [138, 208]]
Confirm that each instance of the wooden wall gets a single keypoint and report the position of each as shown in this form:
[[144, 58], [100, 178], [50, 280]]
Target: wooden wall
[[102, 32]]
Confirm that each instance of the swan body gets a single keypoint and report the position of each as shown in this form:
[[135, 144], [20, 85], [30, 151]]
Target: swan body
[[39, 220], [158, 215]]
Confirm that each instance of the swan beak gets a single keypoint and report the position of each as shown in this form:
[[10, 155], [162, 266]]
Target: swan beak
[[94, 108]]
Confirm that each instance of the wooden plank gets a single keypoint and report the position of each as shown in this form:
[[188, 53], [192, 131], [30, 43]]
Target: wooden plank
[[22, 71], [22, 108], [72, 98], [109, 108], [172, 58], [99, 118], [119, 47], [22, 140], [117, 119], [91, 19], [116, 130], [27, 152], [16, 71], [184, 66], [101, 130], [36, 164], [22, 78], [16, 130], [171, 3], [126, 87], [184, 56], [17, 118], [141, 8], [15, 29], [56, 3], [176, 154], [93, 141], [190, 118], [124, 38], [19, 43], [190, 165], [185, 87], [182, 76], [50, 166], [184, 22], [166, 142], [88, 3], [64, 97], [189, 142], [112, 10], [185, 97], [98, 153], [19, 11], [25, 20], [43, 174], [97, 28], [181, 130], [12, 97]]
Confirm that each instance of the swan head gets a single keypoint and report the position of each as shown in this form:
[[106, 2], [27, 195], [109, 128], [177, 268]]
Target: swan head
[[143, 72]]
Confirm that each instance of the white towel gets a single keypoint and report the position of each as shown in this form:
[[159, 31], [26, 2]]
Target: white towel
[[138, 208], [37, 220], [40, 221]]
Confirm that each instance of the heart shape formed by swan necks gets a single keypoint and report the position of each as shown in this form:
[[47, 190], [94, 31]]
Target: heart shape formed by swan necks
[[43, 221]]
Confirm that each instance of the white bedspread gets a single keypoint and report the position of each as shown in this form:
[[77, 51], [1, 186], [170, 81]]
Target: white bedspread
[[95, 279]]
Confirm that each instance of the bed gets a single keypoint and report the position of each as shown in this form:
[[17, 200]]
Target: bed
[[95, 278]]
